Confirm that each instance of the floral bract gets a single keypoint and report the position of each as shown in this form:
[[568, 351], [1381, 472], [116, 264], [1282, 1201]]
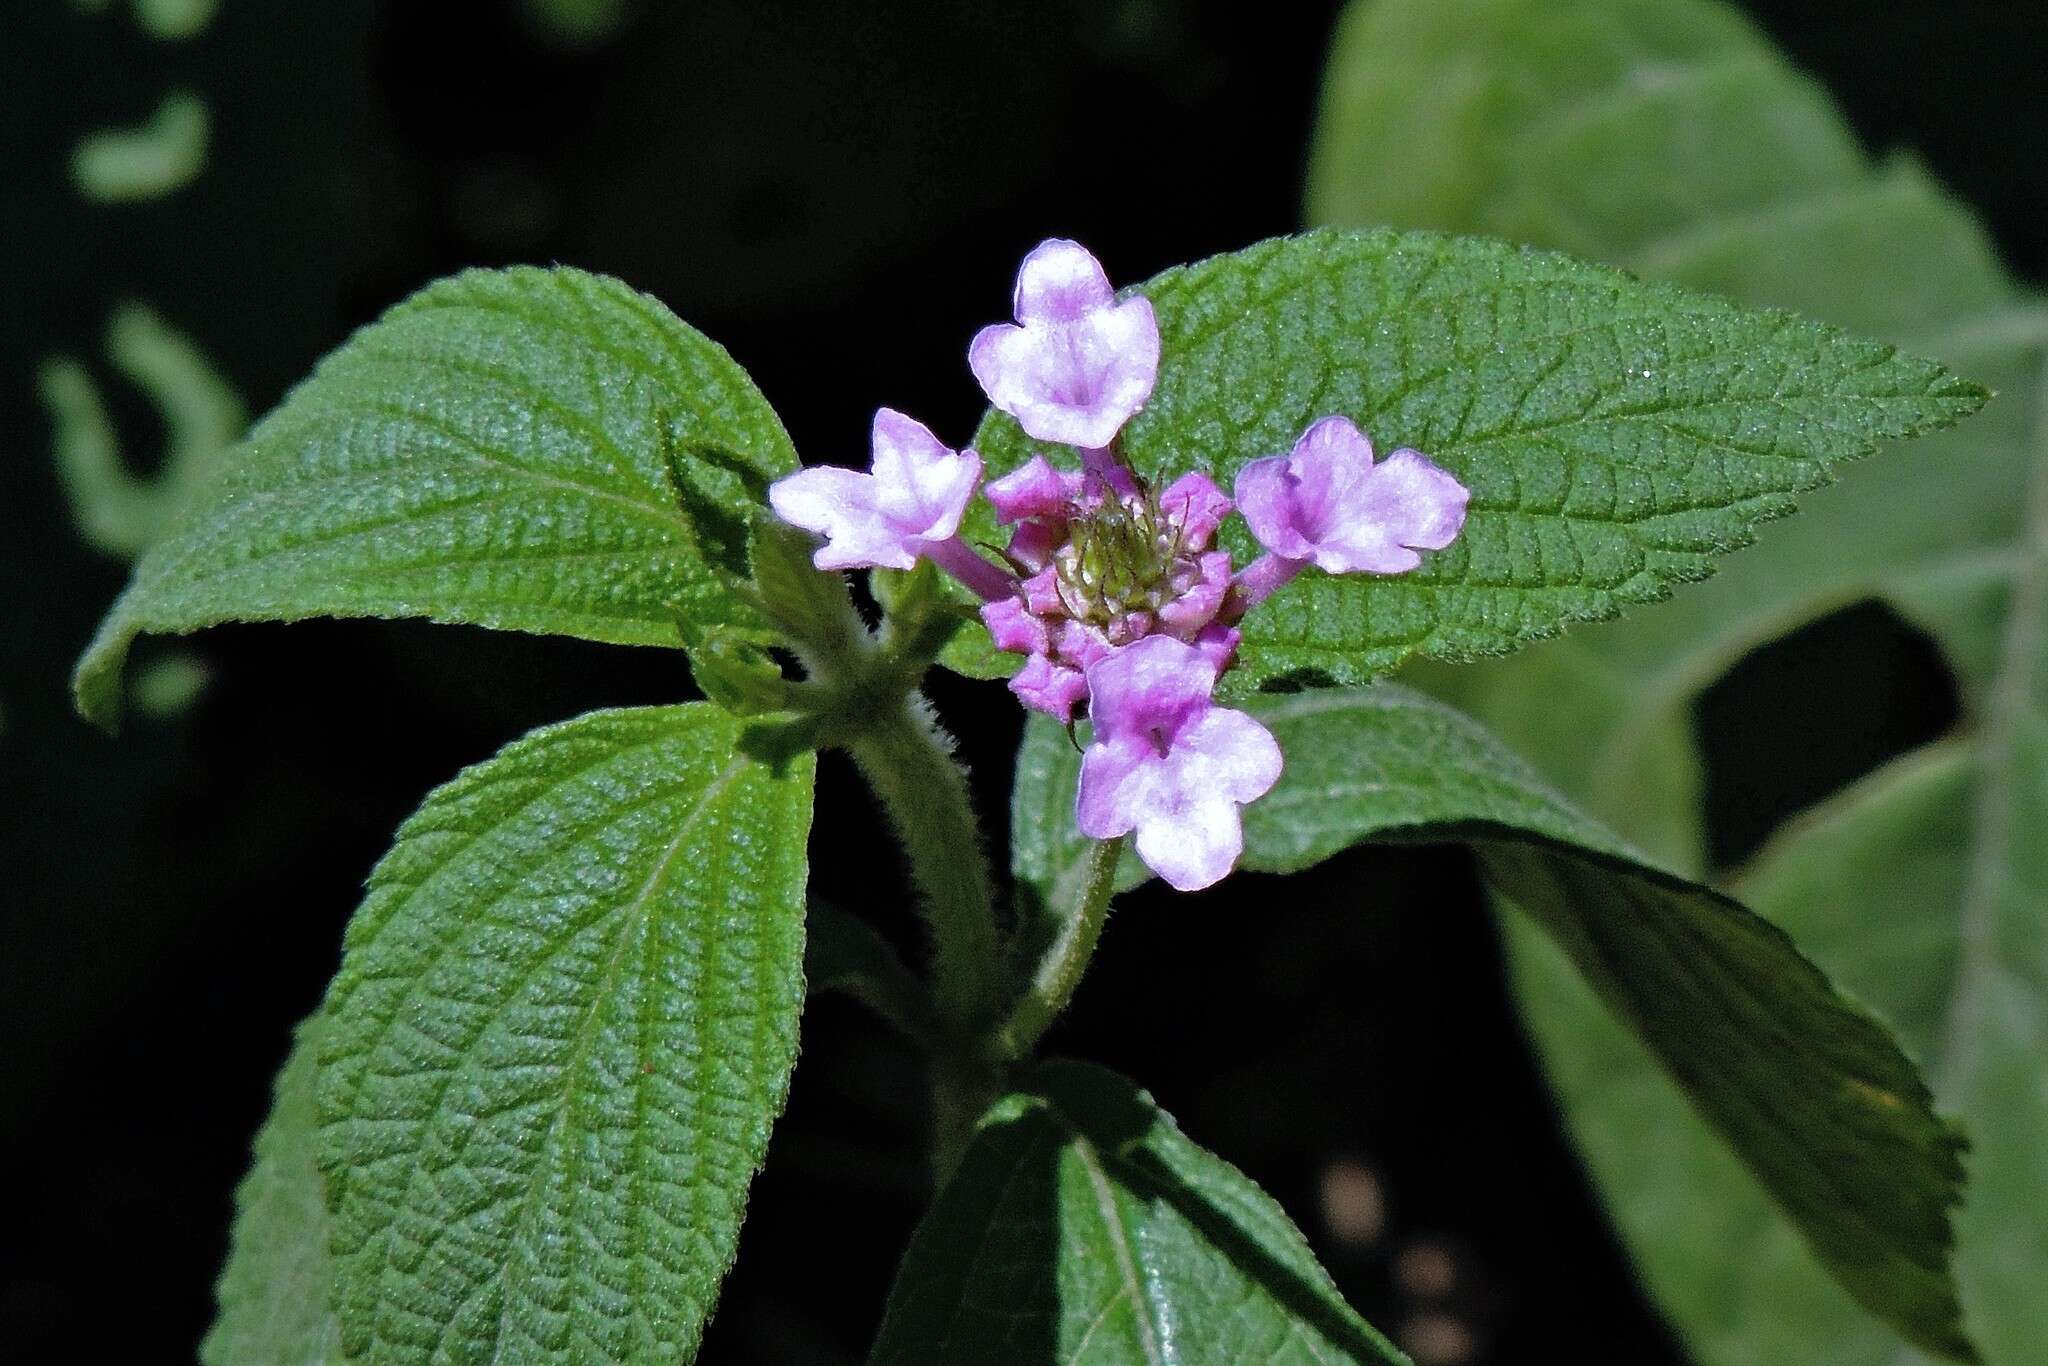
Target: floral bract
[[1114, 589]]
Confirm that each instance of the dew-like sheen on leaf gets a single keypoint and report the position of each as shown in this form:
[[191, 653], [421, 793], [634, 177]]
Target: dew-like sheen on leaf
[[1616, 435], [1083, 1227], [534, 450], [563, 1026], [1811, 1092]]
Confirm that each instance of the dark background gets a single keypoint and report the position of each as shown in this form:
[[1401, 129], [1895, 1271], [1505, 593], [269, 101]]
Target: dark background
[[839, 194]]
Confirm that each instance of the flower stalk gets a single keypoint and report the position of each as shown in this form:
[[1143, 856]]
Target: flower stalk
[[1087, 887], [908, 760]]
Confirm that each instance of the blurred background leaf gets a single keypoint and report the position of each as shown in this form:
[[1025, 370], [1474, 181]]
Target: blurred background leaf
[[118, 511], [1669, 137], [154, 158]]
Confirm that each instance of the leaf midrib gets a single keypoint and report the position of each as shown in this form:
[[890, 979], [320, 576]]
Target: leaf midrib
[[1126, 1253]]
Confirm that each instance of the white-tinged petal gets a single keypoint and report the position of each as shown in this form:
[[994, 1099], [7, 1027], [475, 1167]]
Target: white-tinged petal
[[1229, 754], [839, 504], [1059, 281], [1196, 848]]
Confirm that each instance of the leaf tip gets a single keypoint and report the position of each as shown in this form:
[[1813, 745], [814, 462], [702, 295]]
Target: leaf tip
[[96, 680]]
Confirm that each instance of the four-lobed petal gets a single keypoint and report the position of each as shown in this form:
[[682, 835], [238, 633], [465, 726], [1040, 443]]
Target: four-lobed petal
[[1077, 363], [1168, 765], [1327, 503], [914, 495]]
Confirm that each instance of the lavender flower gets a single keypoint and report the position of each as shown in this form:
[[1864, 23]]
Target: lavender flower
[[907, 506], [1326, 503], [1114, 589], [1168, 763], [1077, 364], [1108, 563]]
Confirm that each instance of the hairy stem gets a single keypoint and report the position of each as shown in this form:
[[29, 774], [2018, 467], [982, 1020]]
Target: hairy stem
[[909, 762], [1059, 972]]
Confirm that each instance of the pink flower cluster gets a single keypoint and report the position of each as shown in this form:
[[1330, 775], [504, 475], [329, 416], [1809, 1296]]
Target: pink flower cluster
[[1115, 591]]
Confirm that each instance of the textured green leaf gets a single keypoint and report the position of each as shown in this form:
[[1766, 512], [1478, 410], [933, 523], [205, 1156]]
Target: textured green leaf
[[1670, 138], [1616, 435], [277, 1294], [1810, 1091], [563, 1025], [535, 450], [1083, 1227]]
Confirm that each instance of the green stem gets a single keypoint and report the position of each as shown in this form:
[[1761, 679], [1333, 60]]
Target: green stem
[[909, 762], [1059, 972]]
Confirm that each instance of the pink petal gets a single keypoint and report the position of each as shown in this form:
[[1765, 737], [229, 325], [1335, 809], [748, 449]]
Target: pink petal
[[1004, 359], [1218, 644], [1265, 498], [1112, 778], [1194, 501], [1147, 688], [823, 497], [1039, 404], [1128, 336], [1042, 593], [1128, 627], [1200, 601], [840, 505], [1060, 281], [1195, 847], [1078, 645], [1102, 474], [1227, 753], [1014, 627], [1048, 687], [1422, 500], [1033, 489], [1257, 581], [1328, 462], [1405, 503], [920, 485], [1034, 541]]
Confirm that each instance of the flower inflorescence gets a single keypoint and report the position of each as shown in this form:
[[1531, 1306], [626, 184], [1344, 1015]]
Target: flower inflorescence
[[1112, 588]]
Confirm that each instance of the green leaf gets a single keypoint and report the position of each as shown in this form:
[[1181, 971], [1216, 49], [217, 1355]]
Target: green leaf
[[534, 450], [1083, 1227], [1616, 435], [563, 1025], [276, 1296], [1810, 1091], [1670, 138]]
